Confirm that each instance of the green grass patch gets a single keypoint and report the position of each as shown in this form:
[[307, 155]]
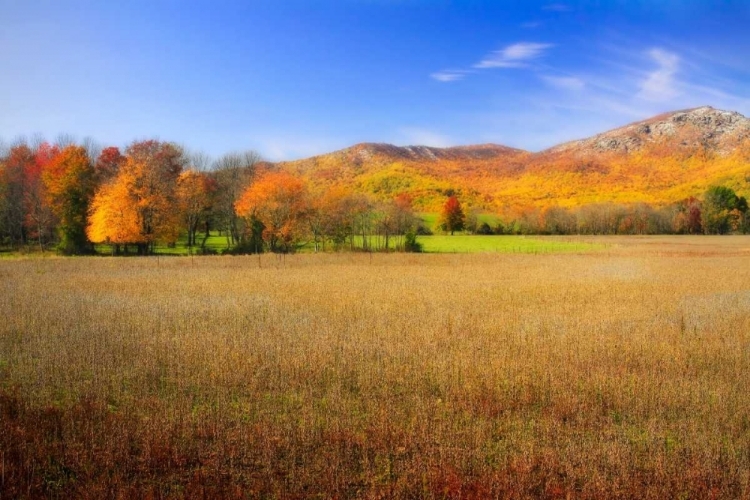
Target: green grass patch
[[430, 219], [214, 242], [501, 244], [440, 243], [490, 219]]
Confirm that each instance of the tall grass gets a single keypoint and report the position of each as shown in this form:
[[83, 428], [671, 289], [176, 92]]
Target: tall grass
[[619, 374]]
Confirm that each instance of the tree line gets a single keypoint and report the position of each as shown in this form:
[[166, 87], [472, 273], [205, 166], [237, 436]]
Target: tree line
[[720, 211], [71, 197]]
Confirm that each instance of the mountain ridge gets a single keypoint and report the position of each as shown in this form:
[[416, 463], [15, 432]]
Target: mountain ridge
[[657, 160]]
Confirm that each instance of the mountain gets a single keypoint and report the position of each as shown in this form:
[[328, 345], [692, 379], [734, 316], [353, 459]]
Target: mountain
[[660, 160]]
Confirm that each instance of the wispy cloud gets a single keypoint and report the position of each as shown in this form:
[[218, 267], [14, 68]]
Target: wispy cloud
[[660, 84], [596, 86], [564, 82], [531, 25], [448, 75], [517, 55]]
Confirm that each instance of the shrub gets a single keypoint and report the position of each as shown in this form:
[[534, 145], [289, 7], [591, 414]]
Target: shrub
[[411, 244], [484, 228]]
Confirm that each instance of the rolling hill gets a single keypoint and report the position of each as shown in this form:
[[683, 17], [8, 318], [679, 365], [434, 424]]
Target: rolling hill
[[660, 160]]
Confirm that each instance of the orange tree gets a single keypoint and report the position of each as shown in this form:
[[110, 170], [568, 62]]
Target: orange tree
[[279, 202], [69, 179]]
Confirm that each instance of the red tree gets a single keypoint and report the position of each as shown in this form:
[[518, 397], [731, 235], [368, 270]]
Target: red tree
[[452, 218], [108, 164], [38, 219]]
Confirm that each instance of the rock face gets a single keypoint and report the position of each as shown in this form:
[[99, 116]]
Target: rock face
[[705, 127], [369, 151]]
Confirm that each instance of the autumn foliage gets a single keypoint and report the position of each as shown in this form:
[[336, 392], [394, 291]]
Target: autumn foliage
[[195, 197], [279, 201], [139, 205]]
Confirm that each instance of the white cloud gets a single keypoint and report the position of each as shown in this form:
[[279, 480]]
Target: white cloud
[[660, 84], [414, 136], [514, 56], [448, 76], [565, 82], [531, 24]]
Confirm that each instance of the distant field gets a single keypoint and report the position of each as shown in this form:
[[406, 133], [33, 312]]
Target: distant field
[[588, 374], [459, 243], [503, 244]]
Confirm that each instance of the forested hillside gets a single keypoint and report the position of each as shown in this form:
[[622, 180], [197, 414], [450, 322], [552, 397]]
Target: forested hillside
[[658, 161]]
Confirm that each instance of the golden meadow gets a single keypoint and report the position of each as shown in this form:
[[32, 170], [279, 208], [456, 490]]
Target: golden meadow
[[620, 372]]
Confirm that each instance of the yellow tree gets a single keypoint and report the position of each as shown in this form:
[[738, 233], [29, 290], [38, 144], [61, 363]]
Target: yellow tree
[[140, 202], [113, 217]]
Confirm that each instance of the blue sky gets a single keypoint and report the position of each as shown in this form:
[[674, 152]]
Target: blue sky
[[293, 78]]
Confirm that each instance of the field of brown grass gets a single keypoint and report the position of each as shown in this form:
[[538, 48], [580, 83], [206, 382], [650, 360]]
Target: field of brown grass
[[621, 373]]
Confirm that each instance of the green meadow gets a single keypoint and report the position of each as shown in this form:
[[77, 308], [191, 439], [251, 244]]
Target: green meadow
[[439, 243], [461, 243]]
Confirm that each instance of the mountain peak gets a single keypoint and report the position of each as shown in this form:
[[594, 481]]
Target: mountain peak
[[705, 126]]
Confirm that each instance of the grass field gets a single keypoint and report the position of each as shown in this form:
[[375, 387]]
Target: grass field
[[461, 243], [606, 374]]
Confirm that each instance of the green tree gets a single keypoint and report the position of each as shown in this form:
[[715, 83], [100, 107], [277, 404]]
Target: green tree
[[723, 210]]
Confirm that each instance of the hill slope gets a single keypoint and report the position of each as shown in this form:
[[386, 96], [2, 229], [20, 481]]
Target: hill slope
[[659, 160]]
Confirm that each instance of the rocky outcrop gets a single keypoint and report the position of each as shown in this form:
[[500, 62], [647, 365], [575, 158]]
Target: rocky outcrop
[[704, 127], [370, 151]]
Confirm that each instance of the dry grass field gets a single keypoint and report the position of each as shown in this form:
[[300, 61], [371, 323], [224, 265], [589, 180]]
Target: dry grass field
[[619, 373]]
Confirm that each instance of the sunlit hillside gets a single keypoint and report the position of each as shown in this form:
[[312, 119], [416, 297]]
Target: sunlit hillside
[[661, 160], [425, 173]]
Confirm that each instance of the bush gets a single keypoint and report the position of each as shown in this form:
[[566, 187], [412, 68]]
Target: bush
[[411, 244], [484, 228]]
